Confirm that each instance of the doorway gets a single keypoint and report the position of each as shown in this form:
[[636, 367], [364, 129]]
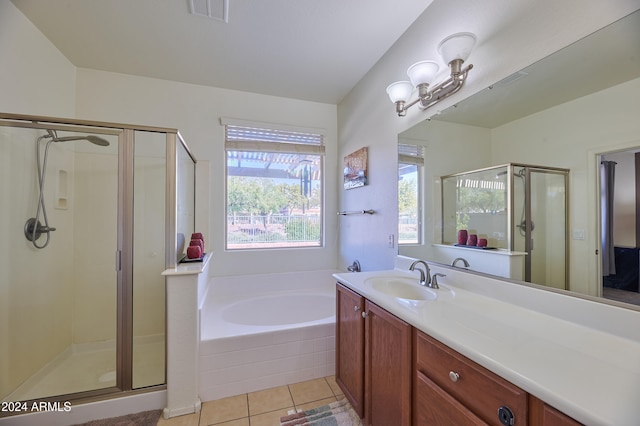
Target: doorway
[[619, 200]]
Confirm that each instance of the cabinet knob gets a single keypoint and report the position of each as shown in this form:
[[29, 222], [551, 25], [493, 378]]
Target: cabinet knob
[[364, 314], [454, 376], [356, 308]]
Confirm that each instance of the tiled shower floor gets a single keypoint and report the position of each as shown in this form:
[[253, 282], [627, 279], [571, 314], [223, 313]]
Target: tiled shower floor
[[85, 370]]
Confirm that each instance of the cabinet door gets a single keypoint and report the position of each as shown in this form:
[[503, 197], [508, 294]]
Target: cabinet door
[[387, 368], [350, 346], [542, 414], [434, 407]]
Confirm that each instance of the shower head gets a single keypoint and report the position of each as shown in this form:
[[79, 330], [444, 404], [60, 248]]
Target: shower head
[[93, 139]]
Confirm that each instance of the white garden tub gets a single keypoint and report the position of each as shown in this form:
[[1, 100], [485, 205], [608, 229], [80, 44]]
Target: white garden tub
[[262, 331]]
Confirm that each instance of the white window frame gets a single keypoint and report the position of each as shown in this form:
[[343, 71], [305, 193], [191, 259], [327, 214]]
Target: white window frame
[[294, 140], [414, 155]]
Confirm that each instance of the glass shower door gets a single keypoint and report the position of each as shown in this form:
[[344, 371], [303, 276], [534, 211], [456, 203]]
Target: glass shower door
[[59, 283], [540, 224], [149, 203]]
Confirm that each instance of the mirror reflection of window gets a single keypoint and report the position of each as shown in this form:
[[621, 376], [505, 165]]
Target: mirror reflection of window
[[410, 171]]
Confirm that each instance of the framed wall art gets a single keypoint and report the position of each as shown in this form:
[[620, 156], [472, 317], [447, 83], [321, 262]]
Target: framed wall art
[[355, 169]]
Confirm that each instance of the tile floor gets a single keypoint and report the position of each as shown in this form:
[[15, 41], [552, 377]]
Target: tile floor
[[262, 408]]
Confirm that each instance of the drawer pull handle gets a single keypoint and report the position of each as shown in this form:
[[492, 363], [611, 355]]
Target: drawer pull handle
[[356, 308], [505, 415], [454, 376], [364, 315]]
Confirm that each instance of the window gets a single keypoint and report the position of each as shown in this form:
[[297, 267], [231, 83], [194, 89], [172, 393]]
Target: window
[[410, 165], [274, 188]]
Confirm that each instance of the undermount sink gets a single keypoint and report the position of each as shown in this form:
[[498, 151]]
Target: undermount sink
[[403, 288]]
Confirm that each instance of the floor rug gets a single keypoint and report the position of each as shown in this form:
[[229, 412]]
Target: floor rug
[[337, 413], [144, 418]]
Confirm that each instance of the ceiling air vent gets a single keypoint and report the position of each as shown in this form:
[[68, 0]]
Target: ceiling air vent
[[513, 77], [214, 9]]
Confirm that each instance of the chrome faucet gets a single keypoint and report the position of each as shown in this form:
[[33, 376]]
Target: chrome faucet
[[425, 275], [355, 267], [464, 261], [434, 280]]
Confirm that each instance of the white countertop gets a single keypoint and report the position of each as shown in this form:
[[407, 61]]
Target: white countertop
[[533, 338], [189, 268]]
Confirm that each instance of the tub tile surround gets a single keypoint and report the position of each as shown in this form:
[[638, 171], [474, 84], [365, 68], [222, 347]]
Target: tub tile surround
[[237, 359], [576, 354]]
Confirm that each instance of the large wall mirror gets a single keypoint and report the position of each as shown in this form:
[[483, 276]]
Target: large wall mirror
[[573, 110]]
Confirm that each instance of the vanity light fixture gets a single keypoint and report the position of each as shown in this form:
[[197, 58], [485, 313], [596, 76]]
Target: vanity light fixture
[[454, 50]]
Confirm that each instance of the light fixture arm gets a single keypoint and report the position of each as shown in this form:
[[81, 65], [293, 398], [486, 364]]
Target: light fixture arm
[[441, 91], [445, 89], [454, 51]]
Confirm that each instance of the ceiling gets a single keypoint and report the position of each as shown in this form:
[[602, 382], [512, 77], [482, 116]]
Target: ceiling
[[309, 50]]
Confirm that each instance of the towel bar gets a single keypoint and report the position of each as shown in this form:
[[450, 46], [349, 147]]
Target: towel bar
[[346, 213]]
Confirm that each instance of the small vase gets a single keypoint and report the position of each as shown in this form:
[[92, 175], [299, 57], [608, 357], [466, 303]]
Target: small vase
[[482, 242], [462, 237], [473, 240]]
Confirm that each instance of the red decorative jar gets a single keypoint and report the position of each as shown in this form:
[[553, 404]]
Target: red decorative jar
[[462, 237]]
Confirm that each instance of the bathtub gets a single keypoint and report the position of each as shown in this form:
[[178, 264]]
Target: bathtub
[[263, 331]]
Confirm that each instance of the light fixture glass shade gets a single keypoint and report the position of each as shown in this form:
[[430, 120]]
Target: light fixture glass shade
[[422, 72], [456, 46], [400, 91]]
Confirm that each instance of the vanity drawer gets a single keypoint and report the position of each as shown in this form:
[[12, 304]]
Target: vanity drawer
[[483, 392], [433, 406]]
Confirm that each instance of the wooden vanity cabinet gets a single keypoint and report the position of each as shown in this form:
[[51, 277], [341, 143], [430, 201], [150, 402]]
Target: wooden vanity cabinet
[[433, 406], [373, 360], [394, 374], [541, 413], [387, 368], [475, 388], [350, 346]]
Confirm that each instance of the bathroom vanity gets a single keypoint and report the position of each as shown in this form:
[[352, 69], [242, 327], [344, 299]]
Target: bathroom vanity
[[478, 351]]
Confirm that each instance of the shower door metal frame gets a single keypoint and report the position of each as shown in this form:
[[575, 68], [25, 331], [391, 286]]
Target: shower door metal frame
[[124, 251], [124, 262], [528, 168]]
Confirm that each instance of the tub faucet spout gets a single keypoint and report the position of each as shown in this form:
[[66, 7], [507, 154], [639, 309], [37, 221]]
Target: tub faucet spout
[[460, 259], [425, 275]]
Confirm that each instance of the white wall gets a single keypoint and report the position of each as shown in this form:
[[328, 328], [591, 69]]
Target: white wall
[[366, 117], [196, 112], [35, 78]]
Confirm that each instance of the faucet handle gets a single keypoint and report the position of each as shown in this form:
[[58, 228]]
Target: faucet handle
[[434, 280]]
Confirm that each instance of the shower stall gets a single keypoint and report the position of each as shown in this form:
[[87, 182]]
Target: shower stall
[[517, 208], [90, 218]]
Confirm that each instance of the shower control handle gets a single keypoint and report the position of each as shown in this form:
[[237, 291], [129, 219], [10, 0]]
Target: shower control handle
[[34, 229]]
